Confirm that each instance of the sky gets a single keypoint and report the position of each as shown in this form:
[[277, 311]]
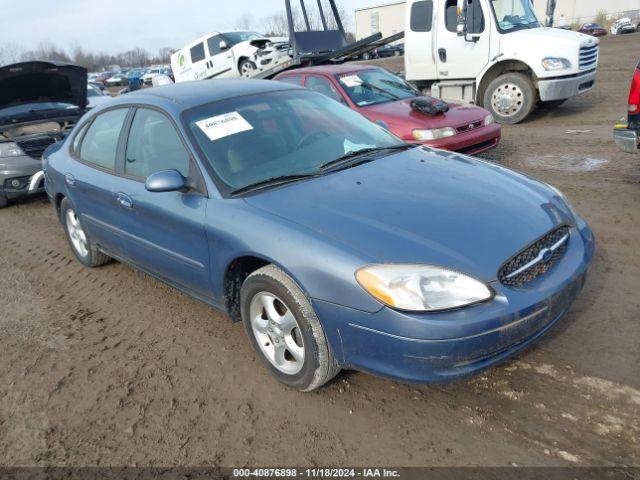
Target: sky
[[118, 25]]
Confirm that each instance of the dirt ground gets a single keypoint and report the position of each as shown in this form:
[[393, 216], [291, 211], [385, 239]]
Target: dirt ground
[[110, 367]]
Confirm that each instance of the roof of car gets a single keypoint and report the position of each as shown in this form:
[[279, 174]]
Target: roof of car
[[331, 69], [192, 94]]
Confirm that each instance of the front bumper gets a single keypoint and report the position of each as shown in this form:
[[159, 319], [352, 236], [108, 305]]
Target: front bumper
[[427, 348], [470, 142], [562, 88], [27, 172], [626, 139]]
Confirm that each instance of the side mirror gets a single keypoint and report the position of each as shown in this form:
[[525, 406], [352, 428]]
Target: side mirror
[[461, 28], [165, 181], [223, 45]]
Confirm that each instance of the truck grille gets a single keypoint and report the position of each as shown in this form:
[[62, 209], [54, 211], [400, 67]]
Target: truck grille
[[535, 260], [35, 147], [588, 57]]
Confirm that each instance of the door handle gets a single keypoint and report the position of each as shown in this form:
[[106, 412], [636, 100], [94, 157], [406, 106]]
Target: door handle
[[442, 53], [70, 180], [124, 200]]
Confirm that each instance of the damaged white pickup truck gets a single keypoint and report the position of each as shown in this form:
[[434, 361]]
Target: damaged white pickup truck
[[40, 102], [230, 55]]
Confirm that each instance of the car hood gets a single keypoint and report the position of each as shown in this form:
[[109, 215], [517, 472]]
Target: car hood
[[31, 82], [401, 112], [421, 207]]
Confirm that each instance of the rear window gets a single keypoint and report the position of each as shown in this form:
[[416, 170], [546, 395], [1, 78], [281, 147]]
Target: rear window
[[197, 53], [422, 16]]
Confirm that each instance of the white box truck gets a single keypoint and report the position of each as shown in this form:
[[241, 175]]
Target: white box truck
[[495, 53]]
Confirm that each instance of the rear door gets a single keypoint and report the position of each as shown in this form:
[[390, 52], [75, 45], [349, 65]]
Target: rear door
[[164, 232], [456, 57], [90, 180]]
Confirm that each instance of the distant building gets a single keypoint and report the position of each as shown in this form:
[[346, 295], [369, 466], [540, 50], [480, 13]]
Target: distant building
[[388, 18]]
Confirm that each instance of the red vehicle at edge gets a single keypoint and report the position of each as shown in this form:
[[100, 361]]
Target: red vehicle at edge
[[593, 29], [387, 100]]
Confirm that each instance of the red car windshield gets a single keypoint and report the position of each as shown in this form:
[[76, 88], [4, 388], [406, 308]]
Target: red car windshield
[[372, 87]]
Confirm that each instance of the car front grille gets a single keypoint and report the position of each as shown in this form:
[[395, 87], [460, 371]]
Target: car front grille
[[588, 57], [35, 147], [469, 126], [535, 260]]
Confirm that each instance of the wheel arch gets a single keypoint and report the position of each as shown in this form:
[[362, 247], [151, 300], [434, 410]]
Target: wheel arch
[[500, 68], [237, 271]]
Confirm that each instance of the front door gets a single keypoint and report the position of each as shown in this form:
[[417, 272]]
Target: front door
[[457, 57], [220, 60], [164, 232]]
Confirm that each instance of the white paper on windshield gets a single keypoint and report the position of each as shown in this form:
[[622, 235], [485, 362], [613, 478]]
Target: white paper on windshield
[[225, 125], [354, 147], [351, 81]]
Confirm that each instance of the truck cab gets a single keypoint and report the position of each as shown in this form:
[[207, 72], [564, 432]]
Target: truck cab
[[497, 54]]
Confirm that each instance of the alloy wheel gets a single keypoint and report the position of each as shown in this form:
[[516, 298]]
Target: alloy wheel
[[76, 234]]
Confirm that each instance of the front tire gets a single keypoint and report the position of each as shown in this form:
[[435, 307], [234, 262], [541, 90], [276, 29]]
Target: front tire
[[3, 201], [285, 331], [247, 68], [85, 250], [510, 98]]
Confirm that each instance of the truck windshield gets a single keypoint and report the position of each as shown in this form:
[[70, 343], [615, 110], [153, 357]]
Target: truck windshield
[[238, 37], [513, 15]]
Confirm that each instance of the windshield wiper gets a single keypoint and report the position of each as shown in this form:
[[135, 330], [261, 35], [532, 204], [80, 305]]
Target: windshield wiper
[[347, 157], [273, 182]]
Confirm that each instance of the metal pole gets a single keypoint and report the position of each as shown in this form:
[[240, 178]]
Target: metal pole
[[304, 14], [324, 20], [336, 16]]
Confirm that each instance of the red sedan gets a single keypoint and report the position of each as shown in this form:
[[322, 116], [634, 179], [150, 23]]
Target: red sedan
[[593, 29], [393, 103]]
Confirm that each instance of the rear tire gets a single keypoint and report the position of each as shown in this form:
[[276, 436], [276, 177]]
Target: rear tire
[[510, 98], [85, 250], [285, 331]]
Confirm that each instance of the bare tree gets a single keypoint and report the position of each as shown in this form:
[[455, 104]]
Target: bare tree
[[164, 54], [10, 53], [245, 22]]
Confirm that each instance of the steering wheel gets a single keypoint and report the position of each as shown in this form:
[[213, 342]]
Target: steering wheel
[[310, 138]]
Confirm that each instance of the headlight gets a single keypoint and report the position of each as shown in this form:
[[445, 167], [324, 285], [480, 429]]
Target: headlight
[[435, 134], [488, 120], [553, 63], [421, 288], [10, 149], [564, 199]]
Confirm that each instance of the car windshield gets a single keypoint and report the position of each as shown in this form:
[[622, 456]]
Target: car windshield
[[94, 91], [371, 87], [513, 15], [237, 37], [257, 138], [35, 107]]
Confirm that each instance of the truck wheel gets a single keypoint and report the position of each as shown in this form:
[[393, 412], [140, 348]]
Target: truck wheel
[[3, 201], [510, 98], [285, 331], [83, 248], [247, 67], [552, 103]]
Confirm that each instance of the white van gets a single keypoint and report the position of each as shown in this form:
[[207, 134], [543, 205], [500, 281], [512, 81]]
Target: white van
[[223, 55]]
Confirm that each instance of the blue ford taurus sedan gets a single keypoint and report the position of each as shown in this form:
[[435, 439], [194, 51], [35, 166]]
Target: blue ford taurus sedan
[[337, 245]]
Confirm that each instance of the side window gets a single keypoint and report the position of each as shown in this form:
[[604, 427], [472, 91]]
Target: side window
[[475, 17], [75, 146], [154, 145], [322, 85], [100, 143], [422, 16], [214, 45], [197, 53], [292, 79]]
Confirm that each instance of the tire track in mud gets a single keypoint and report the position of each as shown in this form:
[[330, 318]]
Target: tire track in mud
[[147, 376]]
